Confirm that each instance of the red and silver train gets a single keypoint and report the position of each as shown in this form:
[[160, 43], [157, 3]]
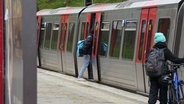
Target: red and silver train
[[127, 28]]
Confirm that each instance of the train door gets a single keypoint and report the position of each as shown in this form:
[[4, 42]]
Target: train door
[[145, 43], [95, 45], [62, 38], [93, 23], [66, 44]]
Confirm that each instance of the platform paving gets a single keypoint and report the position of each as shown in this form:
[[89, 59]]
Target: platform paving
[[57, 88]]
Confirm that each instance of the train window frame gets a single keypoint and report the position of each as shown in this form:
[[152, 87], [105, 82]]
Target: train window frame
[[141, 41], [43, 26], [105, 26], [168, 31], [116, 49], [47, 44], [126, 44], [55, 26], [54, 41]]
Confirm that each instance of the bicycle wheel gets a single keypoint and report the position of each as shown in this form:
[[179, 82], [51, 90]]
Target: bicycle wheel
[[172, 95]]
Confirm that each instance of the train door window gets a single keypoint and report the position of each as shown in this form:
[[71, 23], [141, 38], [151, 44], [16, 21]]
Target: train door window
[[104, 38], [62, 36], [82, 30], [55, 31], [164, 26], [42, 34], [116, 35], [70, 36], [48, 35], [150, 31], [129, 40], [86, 29], [95, 39], [143, 30]]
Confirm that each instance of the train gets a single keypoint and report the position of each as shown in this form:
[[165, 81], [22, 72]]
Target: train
[[126, 27]]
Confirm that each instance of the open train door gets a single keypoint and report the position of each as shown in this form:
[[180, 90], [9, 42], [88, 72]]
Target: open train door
[[145, 43], [94, 19]]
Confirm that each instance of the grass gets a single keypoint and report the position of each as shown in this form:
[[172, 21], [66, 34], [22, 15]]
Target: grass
[[53, 4]]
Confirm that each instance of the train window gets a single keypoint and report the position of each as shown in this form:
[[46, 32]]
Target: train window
[[48, 35], [70, 36], [129, 40], [105, 26], [42, 31], [62, 39], [55, 31], [163, 26], [116, 38], [104, 38], [143, 30], [82, 30]]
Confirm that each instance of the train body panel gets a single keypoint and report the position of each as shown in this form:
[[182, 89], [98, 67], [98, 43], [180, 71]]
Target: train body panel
[[49, 57], [116, 69], [50, 60], [123, 36]]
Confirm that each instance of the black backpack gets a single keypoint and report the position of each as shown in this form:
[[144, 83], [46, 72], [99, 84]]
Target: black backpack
[[155, 63]]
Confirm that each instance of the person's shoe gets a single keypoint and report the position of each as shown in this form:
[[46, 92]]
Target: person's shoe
[[81, 79]]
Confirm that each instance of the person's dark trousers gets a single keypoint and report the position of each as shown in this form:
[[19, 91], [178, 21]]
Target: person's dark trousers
[[163, 94], [153, 91], [155, 87], [90, 71]]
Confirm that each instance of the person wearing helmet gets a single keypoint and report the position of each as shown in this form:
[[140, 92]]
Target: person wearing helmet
[[159, 40]]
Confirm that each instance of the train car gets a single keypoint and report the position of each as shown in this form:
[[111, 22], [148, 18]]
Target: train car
[[127, 28], [58, 31]]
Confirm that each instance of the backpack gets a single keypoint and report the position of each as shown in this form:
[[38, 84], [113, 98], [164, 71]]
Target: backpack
[[155, 63], [80, 50]]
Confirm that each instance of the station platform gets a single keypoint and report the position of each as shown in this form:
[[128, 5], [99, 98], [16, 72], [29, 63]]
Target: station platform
[[57, 88]]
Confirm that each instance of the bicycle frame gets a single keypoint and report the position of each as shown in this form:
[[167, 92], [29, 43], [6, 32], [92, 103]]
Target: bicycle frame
[[177, 86], [177, 83]]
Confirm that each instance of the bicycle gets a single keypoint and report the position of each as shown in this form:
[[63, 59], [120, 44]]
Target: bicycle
[[175, 85]]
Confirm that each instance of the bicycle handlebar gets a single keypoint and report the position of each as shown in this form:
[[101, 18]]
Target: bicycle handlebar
[[174, 67], [182, 64]]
